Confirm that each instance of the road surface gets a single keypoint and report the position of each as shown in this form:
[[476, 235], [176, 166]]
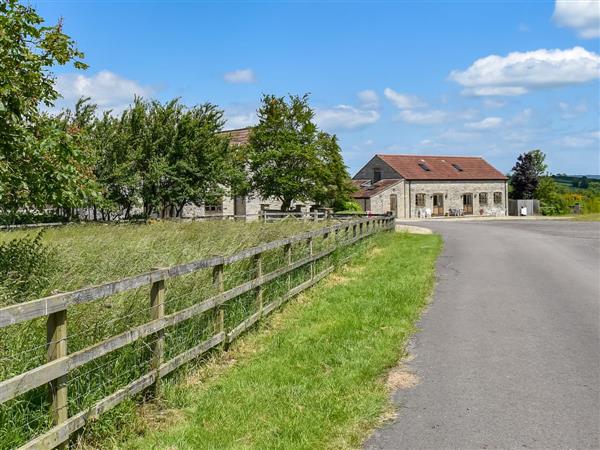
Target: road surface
[[508, 355]]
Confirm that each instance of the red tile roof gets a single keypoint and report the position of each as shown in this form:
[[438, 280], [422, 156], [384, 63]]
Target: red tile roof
[[370, 190], [239, 136], [412, 167]]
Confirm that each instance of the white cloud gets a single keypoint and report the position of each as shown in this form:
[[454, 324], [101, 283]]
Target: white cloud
[[368, 99], [106, 89], [581, 140], [493, 103], [522, 117], [235, 121], [345, 117], [485, 124], [581, 15], [403, 101], [423, 117], [240, 76], [569, 111], [520, 72]]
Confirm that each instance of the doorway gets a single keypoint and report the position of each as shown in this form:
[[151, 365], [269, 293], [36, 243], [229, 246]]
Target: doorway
[[467, 204], [438, 205], [394, 204], [239, 206]]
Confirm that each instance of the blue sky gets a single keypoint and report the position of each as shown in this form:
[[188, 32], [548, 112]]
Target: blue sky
[[386, 77]]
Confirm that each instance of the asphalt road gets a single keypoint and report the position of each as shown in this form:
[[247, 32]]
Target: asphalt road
[[508, 355]]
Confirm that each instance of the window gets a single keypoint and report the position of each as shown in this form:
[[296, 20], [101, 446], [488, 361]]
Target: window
[[424, 166], [483, 200], [213, 208], [497, 198], [457, 167], [420, 200], [376, 175]]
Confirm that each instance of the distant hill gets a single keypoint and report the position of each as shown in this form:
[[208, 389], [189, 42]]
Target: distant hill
[[589, 177], [578, 181]]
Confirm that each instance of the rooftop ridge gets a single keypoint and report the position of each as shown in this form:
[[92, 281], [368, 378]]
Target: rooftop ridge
[[426, 156]]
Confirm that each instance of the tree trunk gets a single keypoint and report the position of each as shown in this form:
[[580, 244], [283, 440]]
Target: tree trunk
[[285, 204]]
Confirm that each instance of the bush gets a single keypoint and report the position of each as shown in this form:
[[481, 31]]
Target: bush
[[25, 265], [21, 218], [348, 206]]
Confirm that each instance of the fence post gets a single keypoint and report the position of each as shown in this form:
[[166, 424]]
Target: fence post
[[259, 289], [287, 250], [56, 333], [360, 229], [157, 311], [220, 287], [312, 263]]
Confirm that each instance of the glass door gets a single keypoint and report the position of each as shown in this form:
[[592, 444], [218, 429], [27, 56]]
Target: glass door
[[467, 204], [438, 205]]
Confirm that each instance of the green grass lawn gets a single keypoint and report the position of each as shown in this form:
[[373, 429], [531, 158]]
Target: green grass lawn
[[587, 218], [313, 375]]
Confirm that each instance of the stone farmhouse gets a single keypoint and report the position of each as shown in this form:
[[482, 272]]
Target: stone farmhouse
[[250, 205], [412, 186]]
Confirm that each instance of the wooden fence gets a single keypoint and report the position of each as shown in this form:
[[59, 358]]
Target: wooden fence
[[60, 363]]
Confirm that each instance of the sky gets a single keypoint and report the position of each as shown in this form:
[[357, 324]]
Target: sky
[[481, 78]]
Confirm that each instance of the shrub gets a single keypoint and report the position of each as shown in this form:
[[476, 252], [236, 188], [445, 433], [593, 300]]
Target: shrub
[[25, 264], [20, 218], [349, 205]]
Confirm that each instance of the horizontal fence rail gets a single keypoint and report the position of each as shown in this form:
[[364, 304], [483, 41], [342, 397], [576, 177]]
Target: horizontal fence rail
[[61, 364], [269, 216]]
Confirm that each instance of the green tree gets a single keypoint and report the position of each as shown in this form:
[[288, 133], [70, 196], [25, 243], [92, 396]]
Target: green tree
[[163, 155], [198, 159], [539, 162], [335, 186], [40, 163], [526, 174], [290, 159]]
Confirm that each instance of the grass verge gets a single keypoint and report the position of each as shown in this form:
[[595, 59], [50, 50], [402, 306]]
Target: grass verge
[[587, 218], [313, 375]]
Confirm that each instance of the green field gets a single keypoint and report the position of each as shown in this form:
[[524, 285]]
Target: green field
[[94, 253], [78, 255], [314, 375], [573, 183]]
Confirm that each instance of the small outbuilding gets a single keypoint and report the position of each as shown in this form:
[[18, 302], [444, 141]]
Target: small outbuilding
[[427, 186]]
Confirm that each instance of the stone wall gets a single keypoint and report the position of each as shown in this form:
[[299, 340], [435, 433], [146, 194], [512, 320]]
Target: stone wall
[[387, 173], [380, 203], [453, 191]]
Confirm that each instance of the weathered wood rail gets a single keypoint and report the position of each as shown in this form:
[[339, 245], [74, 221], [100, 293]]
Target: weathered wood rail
[[55, 372]]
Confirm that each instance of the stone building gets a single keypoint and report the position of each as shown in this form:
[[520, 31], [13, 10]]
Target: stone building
[[249, 205], [422, 186]]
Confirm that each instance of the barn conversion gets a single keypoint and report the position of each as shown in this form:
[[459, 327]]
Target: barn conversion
[[424, 186], [249, 206]]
